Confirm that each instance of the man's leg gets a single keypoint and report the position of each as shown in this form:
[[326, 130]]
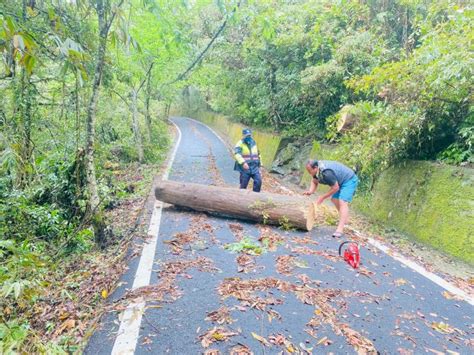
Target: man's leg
[[343, 215], [244, 179], [257, 180], [344, 197]]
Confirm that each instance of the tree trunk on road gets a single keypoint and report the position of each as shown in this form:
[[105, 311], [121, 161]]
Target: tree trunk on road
[[286, 211]]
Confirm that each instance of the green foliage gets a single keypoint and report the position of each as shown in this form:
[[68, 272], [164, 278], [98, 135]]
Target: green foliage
[[285, 224], [381, 137], [246, 245], [12, 336], [63, 184], [20, 264], [405, 65], [49, 54], [426, 110], [461, 151]]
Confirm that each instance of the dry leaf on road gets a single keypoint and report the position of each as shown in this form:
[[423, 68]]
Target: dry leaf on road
[[261, 339]]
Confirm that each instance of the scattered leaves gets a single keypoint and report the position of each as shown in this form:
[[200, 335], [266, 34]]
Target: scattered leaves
[[451, 296], [442, 327], [400, 282], [246, 263], [261, 339], [324, 341], [216, 334], [67, 324], [220, 316], [241, 350], [285, 264]]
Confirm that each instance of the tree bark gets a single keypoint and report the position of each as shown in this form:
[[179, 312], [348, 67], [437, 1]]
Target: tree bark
[[90, 124], [136, 127], [347, 119], [147, 105], [25, 103], [94, 201], [167, 110], [286, 211], [104, 28]]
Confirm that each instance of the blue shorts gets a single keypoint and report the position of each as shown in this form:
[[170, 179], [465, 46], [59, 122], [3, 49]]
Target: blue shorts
[[346, 191]]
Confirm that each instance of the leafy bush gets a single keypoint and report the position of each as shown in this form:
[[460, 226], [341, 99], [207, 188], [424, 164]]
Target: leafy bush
[[461, 151], [21, 219], [433, 86], [404, 65], [12, 336], [22, 273], [62, 186], [383, 135]]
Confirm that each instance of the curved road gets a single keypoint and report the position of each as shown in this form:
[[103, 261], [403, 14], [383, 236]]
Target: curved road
[[296, 294]]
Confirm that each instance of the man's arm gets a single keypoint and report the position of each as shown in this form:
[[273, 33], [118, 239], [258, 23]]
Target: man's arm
[[238, 156], [334, 186], [312, 188]]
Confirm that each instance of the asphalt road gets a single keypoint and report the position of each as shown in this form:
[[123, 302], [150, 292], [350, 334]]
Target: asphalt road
[[297, 294]]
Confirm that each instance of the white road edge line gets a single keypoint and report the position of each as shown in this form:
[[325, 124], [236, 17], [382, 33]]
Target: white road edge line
[[411, 264], [131, 318], [421, 270]]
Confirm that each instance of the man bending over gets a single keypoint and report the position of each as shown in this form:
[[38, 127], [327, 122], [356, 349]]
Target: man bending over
[[343, 183]]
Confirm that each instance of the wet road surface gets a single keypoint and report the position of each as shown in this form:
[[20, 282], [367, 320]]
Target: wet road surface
[[287, 291]]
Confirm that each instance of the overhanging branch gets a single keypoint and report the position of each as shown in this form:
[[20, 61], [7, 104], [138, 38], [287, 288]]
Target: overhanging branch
[[203, 52]]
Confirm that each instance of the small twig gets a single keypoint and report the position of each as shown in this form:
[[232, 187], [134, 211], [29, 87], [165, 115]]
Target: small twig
[[150, 323]]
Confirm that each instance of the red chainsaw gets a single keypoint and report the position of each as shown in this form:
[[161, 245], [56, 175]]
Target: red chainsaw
[[351, 253]]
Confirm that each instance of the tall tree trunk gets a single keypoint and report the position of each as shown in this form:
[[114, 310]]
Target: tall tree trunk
[[94, 202], [24, 108], [167, 110], [24, 102], [406, 42], [147, 105], [273, 91], [77, 110], [136, 127], [90, 128]]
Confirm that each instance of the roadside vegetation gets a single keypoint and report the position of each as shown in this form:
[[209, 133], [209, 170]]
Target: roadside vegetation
[[402, 68]]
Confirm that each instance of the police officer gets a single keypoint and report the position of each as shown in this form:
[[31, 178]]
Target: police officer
[[343, 183], [247, 162]]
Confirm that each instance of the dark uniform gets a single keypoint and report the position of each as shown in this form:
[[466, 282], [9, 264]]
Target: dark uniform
[[246, 151]]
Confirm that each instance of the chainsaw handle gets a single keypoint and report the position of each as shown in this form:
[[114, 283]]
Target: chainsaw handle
[[346, 242], [340, 247]]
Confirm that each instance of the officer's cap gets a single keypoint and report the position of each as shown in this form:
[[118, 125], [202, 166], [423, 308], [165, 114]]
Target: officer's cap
[[246, 132]]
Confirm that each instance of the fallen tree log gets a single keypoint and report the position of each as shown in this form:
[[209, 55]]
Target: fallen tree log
[[286, 211]]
